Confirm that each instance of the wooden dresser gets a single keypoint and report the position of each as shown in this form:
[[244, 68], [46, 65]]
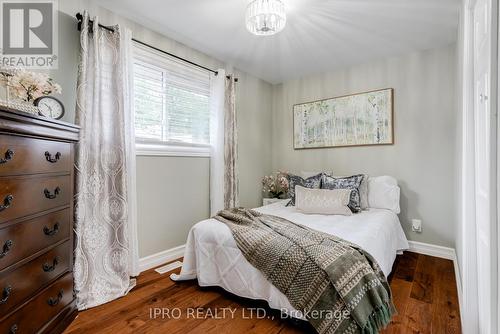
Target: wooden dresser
[[36, 223]]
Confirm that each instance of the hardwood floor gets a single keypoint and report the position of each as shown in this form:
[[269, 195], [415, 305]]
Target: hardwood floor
[[423, 287], [425, 295]]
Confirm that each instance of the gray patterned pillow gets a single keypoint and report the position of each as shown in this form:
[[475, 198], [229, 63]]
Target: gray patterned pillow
[[351, 182], [363, 190], [313, 182]]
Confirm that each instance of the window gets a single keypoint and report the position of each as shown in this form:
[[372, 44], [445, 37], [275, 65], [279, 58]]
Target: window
[[171, 98]]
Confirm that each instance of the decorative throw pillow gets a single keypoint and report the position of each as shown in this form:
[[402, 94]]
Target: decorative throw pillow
[[363, 191], [351, 182], [305, 174], [323, 201], [313, 182]]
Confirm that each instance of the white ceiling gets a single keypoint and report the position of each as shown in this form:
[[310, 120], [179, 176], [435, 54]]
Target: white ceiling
[[320, 35]]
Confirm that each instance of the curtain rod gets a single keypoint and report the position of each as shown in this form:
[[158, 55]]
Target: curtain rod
[[79, 17]]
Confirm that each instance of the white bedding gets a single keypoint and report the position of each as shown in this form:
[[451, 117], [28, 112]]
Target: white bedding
[[213, 257]]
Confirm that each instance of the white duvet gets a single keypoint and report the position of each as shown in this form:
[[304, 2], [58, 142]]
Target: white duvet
[[213, 257]]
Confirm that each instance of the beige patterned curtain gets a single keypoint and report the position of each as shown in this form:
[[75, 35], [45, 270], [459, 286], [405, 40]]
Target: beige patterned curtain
[[224, 144], [106, 232], [231, 199]]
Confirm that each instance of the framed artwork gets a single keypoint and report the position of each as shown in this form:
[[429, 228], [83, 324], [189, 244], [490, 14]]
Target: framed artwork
[[352, 120]]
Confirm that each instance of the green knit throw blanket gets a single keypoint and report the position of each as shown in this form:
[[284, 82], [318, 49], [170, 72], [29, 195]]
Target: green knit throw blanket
[[336, 285]]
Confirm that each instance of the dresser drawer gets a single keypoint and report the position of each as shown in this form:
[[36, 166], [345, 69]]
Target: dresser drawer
[[24, 239], [20, 155], [15, 288], [41, 309], [22, 196]]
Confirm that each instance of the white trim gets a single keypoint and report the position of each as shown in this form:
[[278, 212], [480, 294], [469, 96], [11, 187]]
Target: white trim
[[444, 253], [432, 250], [155, 260], [458, 280], [172, 150], [469, 293]]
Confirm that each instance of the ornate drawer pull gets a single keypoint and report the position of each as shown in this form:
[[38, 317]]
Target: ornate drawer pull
[[13, 329], [53, 160], [7, 246], [9, 154], [7, 202], [48, 268], [54, 301], [6, 294], [51, 232], [48, 195]]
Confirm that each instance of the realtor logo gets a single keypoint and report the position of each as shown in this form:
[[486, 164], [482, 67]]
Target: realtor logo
[[29, 34]]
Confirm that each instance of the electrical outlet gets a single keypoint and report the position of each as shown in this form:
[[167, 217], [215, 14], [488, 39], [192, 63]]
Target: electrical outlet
[[416, 225]]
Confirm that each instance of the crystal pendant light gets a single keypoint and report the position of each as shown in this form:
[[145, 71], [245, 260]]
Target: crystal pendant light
[[265, 17]]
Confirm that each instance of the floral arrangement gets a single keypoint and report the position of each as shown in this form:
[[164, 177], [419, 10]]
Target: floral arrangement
[[28, 86], [275, 185]]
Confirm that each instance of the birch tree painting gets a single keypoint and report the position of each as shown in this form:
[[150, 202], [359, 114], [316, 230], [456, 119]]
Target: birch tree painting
[[360, 119]]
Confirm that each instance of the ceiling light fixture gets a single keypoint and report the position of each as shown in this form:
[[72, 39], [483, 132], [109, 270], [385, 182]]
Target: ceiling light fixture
[[265, 17]]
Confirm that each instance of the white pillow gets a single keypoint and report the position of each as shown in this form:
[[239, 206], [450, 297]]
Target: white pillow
[[323, 201], [306, 175], [383, 193]]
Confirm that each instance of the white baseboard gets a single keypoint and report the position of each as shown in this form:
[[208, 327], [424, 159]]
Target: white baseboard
[[160, 258], [432, 250], [458, 279], [445, 253]]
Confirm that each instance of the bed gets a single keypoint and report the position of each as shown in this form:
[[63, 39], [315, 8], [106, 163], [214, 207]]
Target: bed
[[213, 257]]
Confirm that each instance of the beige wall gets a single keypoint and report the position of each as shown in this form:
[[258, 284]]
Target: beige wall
[[173, 191], [459, 237], [424, 157], [172, 194], [254, 102]]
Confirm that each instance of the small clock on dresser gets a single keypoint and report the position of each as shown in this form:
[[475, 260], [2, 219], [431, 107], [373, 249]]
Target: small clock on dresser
[[50, 107]]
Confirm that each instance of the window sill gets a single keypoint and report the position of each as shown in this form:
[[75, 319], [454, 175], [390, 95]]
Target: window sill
[[172, 150]]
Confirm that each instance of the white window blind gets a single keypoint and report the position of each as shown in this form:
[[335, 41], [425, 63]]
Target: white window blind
[[171, 101]]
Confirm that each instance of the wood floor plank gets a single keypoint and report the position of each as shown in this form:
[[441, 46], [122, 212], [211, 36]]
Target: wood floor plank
[[423, 281], [120, 313], [423, 288], [406, 265], [446, 312], [400, 295], [418, 317], [191, 297], [189, 322]]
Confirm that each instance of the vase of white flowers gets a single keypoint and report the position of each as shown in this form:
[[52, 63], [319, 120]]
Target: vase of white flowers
[[24, 87], [275, 185]]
